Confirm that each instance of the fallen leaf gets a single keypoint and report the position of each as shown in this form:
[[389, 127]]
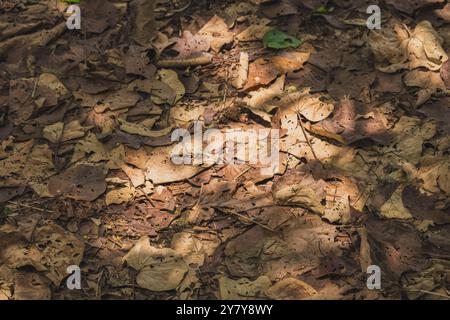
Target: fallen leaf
[[143, 22], [290, 289], [170, 78], [119, 196], [215, 31], [420, 48], [243, 288], [158, 269], [279, 40], [81, 182]]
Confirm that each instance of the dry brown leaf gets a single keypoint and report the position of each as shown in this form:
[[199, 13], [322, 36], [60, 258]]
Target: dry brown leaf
[[260, 73], [409, 137], [159, 269], [256, 31], [258, 99], [215, 31], [405, 50], [290, 289], [301, 190], [81, 182], [243, 289], [121, 195], [136, 176], [393, 208], [429, 81], [170, 78], [135, 128], [409, 6], [160, 168], [59, 249], [190, 46], [289, 61], [31, 286], [60, 132], [143, 21]]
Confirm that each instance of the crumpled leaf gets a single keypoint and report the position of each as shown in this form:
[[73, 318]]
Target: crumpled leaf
[[404, 50], [301, 190], [290, 101], [429, 81], [353, 121], [409, 136], [159, 269]]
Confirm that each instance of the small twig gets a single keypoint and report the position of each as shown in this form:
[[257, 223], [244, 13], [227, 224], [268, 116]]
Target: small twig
[[306, 137], [242, 173], [35, 87], [30, 207], [299, 117], [146, 196], [248, 219], [429, 292]]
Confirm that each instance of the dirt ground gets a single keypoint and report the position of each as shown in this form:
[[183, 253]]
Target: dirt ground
[[361, 176]]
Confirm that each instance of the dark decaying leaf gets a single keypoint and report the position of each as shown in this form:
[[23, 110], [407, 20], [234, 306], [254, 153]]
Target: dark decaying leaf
[[422, 206], [354, 121], [98, 15], [409, 6], [395, 247], [143, 21], [82, 182], [7, 193]]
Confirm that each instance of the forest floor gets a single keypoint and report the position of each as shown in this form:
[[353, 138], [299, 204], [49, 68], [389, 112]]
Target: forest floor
[[358, 175]]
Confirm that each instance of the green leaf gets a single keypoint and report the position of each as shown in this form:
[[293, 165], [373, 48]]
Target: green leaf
[[72, 1], [4, 212], [324, 9], [279, 40]]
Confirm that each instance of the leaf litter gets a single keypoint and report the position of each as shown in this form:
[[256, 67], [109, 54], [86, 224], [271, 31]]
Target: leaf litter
[[86, 176]]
